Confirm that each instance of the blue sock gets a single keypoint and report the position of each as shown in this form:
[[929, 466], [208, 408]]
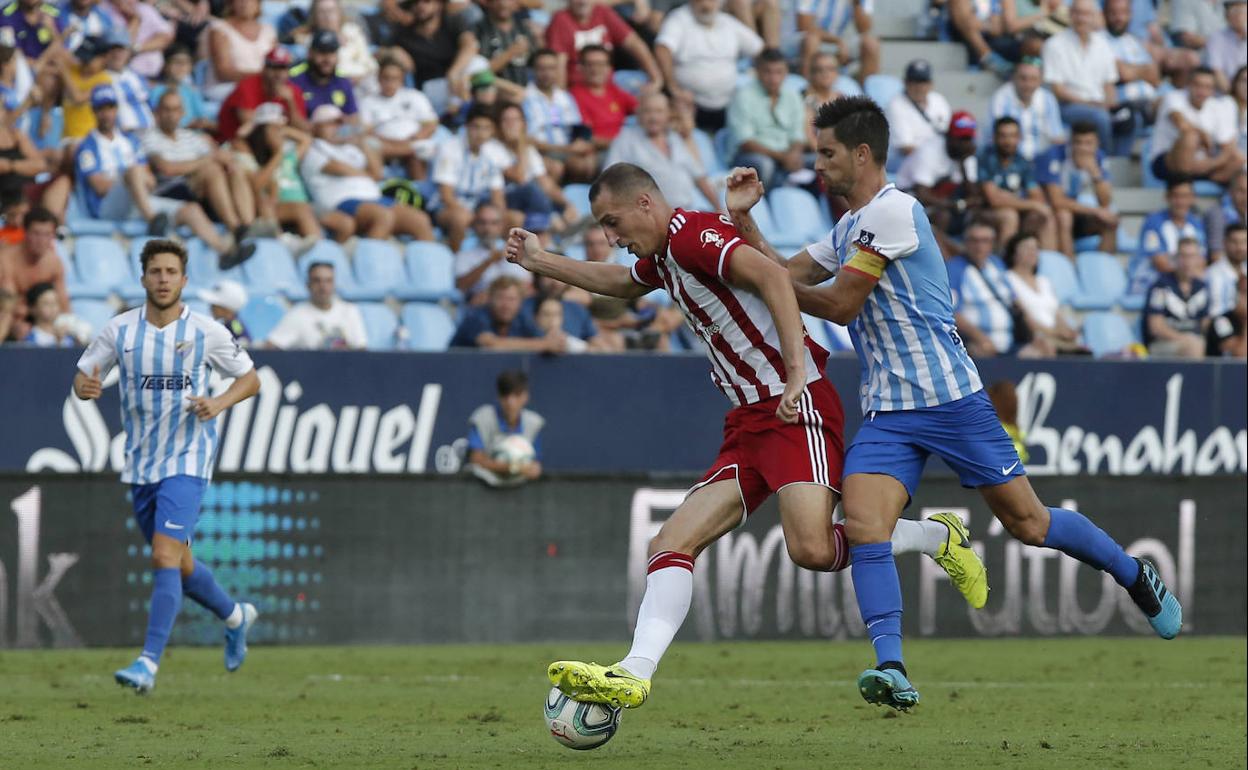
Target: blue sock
[[879, 597], [166, 601], [203, 588], [1073, 533]]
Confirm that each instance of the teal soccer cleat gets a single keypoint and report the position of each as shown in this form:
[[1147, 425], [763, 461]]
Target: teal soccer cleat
[[1161, 607], [138, 676], [236, 638], [887, 687]]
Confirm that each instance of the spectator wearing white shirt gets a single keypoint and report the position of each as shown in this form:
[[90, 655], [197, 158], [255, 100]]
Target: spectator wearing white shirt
[[324, 322], [1080, 67], [697, 49], [1034, 295], [555, 123], [466, 175], [1194, 137], [655, 146], [1035, 108], [152, 33], [918, 113], [1139, 74], [342, 178], [477, 266], [537, 202], [401, 118], [184, 156], [1223, 275], [1228, 48]]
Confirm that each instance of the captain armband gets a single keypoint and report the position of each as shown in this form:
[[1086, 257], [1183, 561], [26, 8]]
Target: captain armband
[[866, 262]]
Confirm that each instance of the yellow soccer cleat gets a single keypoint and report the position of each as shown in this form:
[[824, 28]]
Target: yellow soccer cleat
[[592, 683], [959, 560]]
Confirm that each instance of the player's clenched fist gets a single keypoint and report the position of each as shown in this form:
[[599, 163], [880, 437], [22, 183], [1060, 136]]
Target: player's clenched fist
[[787, 409], [203, 407], [522, 246], [744, 189], [88, 386]]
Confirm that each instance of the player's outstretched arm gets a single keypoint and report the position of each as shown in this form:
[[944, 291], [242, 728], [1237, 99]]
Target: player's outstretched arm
[[524, 249], [839, 302], [243, 388]]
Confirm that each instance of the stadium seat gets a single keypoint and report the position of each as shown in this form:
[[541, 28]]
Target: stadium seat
[[847, 86], [103, 268], [330, 252], [1107, 334], [96, 312], [429, 327], [378, 269], [381, 325], [1102, 281], [767, 224], [430, 272], [272, 270], [260, 315], [1061, 273], [711, 161], [796, 214], [723, 146], [578, 195], [882, 88], [631, 80], [202, 268], [56, 128], [817, 330], [81, 223]]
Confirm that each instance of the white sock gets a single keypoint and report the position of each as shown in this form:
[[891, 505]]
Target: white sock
[[150, 664], [236, 617], [923, 536], [669, 592]]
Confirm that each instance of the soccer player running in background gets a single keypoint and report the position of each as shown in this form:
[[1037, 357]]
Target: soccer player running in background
[[921, 394], [165, 353], [783, 434]]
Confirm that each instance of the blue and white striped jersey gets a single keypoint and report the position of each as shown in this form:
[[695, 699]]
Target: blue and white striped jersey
[[1128, 50], [907, 343], [835, 16], [160, 368], [1039, 123]]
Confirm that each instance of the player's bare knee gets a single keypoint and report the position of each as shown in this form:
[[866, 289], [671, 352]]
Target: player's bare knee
[[1025, 526], [812, 557], [167, 555]]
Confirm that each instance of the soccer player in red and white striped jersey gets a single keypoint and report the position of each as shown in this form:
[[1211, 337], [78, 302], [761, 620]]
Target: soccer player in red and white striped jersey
[[783, 434]]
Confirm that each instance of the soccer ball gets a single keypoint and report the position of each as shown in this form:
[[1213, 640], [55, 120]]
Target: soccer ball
[[577, 725], [515, 450]]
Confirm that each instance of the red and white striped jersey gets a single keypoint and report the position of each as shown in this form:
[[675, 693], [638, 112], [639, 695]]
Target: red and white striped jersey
[[733, 323]]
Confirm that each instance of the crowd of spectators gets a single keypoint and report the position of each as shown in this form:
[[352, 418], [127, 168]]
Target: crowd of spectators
[[453, 120]]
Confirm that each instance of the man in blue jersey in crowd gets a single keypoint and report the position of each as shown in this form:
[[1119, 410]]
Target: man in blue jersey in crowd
[[165, 354], [921, 394]]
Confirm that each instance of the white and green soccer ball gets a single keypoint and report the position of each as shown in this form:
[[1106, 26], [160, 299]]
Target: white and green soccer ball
[[578, 725], [516, 451]]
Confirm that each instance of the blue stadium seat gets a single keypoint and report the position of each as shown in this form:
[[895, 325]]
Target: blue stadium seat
[[381, 324], [81, 223], [794, 82], [1061, 273], [272, 270], [766, 223], [96, 312], [1107, 334], [202, 268], [796, 214], [817, 330], [429, 327], [260, 315], [56, 128], [331, 253], [430, 272], [578, 195], [723, 146], [631, 80], [379, 269], [882, 88], [103, 268], [1102, 281], [847, 86], [711, 161]]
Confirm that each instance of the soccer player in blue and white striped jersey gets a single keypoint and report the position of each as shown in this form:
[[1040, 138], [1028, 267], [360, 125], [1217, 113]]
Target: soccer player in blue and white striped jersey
[[921, 393], [165, 354]]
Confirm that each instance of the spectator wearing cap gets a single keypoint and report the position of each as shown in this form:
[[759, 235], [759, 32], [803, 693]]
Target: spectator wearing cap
[[1035, 108], [324, 322], [1080, 67], [844, 24], [226, 299], [585, 23], [1010, 188], [1160, 236], [134, 115], [436, 41], [768, 122], [654, 145], [342, 175], [1176, 315], [356, 61], [176, 75], [1194, 137], [401, 118], [1076, 182], [529, 191], [506, 42], [467, 174], [271, 85], [34, 30], [555, 123], [318, 81], [943, 173], [1227, 49], [115, 183], [236, 47], [77, 20], [277, 149], [186, 159], [697, 48], [77, 82], [604, 106], [477, 265], [918, 113], [151, 33]]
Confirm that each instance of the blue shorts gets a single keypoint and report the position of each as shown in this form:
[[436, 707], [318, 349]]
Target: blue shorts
[[352, 205], [170, 507], [966, 434]]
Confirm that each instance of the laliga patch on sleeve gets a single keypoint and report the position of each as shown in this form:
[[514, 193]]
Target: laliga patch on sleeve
[[866, 262]]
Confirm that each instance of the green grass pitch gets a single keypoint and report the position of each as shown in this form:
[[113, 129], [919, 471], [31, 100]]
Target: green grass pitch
[[1066, 703]]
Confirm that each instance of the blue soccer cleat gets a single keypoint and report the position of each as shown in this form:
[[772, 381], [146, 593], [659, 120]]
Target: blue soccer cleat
[[887, 687], [236, 638], [138, 676], [1161, 607]]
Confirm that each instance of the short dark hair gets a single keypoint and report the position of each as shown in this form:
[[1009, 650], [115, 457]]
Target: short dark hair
[[387, 60], [1204, 70], [1083, 127], [1189, 241], [1011, 246], [539, 53], [770, 56], [622, 178], [315, 265], [1004, 120], [35, 292], [856, 120], [592, 48], [512, 381], [1235, 227], [1176, 182], [480, 111], [162, 246], [39, 214], [983, 221]]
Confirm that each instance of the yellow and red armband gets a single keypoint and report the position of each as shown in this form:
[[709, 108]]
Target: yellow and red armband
[[866, 262]]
